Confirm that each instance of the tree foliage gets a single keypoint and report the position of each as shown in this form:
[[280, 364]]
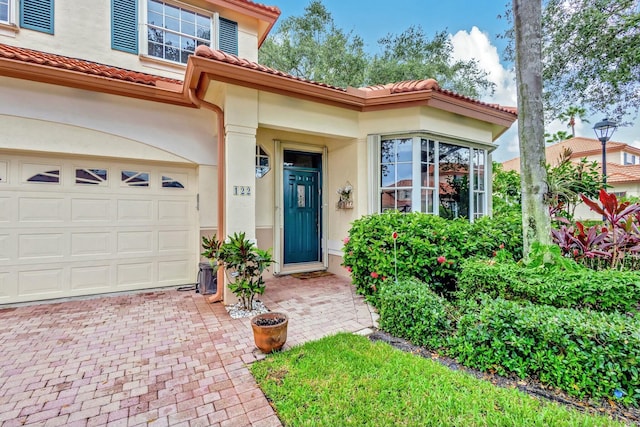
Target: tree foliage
[[592, 55], [591, 51], [313, 47], [411, 55]]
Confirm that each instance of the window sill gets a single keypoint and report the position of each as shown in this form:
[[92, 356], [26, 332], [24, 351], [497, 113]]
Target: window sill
[[9, 30], [161, 64]]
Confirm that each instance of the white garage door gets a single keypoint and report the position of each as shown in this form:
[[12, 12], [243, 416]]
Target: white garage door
[[85, 226]]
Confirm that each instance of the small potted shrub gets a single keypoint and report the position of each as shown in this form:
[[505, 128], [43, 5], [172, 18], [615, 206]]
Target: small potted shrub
[[244, 263]]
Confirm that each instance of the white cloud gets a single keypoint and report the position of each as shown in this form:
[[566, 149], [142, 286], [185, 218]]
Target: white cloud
[[476, 44]]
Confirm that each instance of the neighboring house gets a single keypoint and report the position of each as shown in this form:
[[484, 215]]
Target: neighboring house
[[623, 165], [120, 147]]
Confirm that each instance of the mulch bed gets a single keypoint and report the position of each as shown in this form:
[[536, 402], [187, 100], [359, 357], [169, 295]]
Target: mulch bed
[[532, 387]]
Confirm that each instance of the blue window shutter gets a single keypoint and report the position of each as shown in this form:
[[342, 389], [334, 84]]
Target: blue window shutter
[[37, 15], [124, 25], [228, 41]]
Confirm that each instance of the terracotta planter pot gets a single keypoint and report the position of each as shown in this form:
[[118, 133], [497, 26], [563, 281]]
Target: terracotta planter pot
[[269, 338]]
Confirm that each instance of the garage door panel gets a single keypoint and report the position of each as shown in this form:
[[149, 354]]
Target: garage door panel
[[41, 209], [137, 273], [8, 286], [90, 210], [41, 245], [6, 248], [173, 211], [89, 243], [97, 277], [174, 240], [41, 282], [135, 210], [131, 242], [174, 270], [6, 207]]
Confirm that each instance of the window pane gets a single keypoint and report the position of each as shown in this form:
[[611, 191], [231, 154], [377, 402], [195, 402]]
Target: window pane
[[405, 150], [203, 21], [188, 44], [387, 175], [187, 16], [155, 6], [387, 153], [387, 200], [188, 29], [4, 10], [172, 11], [154, 19], [426, 201], [404, 177], [426, 175], [172, 24], [427, 152], [453, 181]]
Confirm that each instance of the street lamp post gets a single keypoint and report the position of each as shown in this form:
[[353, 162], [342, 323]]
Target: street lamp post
[[604, 130]]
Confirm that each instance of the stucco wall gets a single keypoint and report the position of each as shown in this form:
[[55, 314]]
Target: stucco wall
[[77, 121]]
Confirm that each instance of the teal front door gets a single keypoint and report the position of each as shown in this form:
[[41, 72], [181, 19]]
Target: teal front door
[[302, 224]]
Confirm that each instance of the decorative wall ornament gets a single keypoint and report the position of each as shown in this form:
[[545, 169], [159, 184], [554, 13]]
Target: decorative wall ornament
[[345, 192]]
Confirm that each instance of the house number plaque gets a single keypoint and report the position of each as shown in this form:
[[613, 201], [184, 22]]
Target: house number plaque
[[241, 190]]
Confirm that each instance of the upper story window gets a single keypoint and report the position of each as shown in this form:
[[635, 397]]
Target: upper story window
[[417, 174], [172, 30], [629, 159]]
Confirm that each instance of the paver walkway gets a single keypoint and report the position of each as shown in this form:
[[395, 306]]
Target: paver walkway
[[160, 358]]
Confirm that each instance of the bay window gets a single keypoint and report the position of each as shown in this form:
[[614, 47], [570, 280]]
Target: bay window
[[420, 174]]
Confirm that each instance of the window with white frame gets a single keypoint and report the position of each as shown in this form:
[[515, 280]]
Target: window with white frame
[[424, 175], [174, 32], [629, 159]]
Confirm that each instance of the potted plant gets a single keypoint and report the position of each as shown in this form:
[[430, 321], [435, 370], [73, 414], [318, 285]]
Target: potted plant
[[244, 263]]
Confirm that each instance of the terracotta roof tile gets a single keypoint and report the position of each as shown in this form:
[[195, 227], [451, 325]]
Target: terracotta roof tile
[[80, 65], [273, 9], [391, 88], [218, 55]]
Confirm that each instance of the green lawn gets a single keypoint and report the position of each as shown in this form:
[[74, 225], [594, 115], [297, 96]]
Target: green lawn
[[345, 380]]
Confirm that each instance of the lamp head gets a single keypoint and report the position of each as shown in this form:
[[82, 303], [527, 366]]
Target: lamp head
[[604, 129]]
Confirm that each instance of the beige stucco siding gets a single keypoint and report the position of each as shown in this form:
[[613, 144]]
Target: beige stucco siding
[[101, 124]]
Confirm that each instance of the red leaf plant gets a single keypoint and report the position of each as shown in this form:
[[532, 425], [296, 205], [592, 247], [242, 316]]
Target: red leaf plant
[[614, 244]]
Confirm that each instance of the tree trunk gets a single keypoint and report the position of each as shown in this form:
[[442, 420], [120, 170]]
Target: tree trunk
[[536, 223]]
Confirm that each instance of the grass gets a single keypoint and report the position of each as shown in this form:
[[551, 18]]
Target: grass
[[346, 380]]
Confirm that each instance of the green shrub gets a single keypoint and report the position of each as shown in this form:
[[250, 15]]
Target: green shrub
[[583, 353], [428, 247], [411, 310], [583, 288]]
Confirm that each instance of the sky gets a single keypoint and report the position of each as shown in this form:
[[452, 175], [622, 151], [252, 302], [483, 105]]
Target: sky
[[474, 28]]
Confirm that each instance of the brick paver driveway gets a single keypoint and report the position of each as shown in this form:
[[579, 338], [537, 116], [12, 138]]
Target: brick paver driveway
[[160, 358]]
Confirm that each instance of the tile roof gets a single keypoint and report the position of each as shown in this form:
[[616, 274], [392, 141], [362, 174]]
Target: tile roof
[[80, 65], [273, 9], [408, 86], [582, 147], [218, 55]]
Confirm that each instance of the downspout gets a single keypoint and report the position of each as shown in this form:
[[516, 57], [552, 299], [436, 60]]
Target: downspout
[[218, 296]]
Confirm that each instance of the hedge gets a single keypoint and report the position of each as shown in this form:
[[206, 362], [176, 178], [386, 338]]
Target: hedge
[[427, 247], [410, 309], [603, 290], [583, 353]]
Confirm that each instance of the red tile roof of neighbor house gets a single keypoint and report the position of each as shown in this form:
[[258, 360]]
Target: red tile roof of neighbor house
[[582, 147]]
